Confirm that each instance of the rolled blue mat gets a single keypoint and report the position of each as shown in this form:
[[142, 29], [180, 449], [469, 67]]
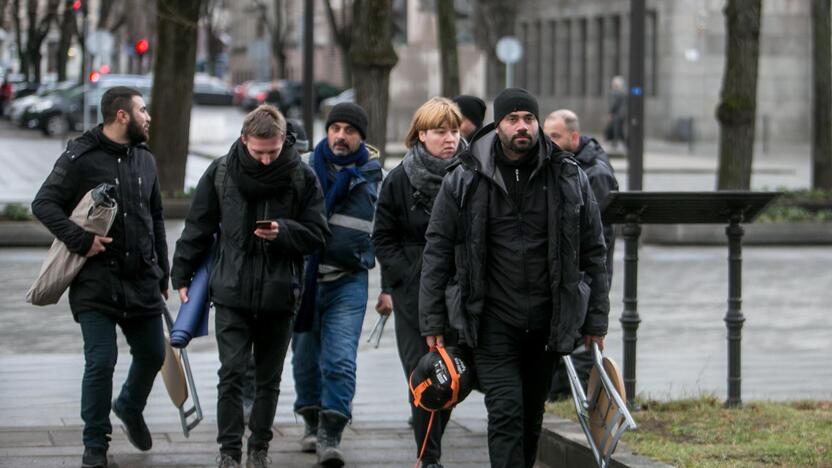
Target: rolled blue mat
[[192, 319]]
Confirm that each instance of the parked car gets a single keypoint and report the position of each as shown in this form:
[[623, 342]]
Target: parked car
[[212, 91], [255, 95], [240, 92], [14, 111], [64, 111]]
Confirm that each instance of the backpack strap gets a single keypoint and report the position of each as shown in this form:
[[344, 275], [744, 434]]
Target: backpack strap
[[219, 177]]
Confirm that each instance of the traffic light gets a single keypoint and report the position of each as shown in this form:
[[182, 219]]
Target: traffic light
[[104, 69], [76, 5], [94, 77], [142, 46]]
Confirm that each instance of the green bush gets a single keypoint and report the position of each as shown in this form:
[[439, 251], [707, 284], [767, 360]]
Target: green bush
[[16, 212], [799, 205]]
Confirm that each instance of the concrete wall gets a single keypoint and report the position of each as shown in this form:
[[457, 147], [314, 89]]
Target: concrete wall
[[689, 53]]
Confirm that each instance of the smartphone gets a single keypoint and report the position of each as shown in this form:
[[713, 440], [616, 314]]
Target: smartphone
[[263, 224]]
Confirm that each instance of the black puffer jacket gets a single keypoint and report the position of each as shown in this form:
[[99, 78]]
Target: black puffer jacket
[[399, 238], [453, 263], [596, 163], [127, 278], [267, 276]]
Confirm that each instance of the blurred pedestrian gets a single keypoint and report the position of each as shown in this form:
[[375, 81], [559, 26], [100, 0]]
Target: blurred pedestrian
[[563, 128], [404, 206], [6, 95], [617, 114], [473, 113]]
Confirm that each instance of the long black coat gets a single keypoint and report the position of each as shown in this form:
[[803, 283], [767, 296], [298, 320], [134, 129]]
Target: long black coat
[[453, 270], [126, 279], [399, 238]]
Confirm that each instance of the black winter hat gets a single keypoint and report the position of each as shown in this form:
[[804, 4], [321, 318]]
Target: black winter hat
[[350, 113], [472, 107], [514, 100]]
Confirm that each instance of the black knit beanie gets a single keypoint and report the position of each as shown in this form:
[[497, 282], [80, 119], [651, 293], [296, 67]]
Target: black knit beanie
[[350, 113], [472, 107], [514, 100]]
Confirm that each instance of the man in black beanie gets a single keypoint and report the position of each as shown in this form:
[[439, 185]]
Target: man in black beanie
[[473, 112], [516, 232], [328, 325]]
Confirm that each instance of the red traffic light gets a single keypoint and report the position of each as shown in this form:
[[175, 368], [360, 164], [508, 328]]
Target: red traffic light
[[142, 46], [76, 5], [104, 69], [94, 77]]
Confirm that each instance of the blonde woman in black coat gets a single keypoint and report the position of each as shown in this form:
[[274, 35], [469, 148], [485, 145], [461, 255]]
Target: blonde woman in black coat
[[402, 216]]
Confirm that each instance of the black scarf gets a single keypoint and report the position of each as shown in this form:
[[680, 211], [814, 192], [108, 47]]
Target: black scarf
[[256, 180]]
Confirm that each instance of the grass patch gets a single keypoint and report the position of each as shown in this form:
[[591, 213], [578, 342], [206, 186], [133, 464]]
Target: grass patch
[[799, 205], [16, 212], [699, 432]]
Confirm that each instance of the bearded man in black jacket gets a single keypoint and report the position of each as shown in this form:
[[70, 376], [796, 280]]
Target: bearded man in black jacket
[[515, 263], [268, 212], [125, 277]]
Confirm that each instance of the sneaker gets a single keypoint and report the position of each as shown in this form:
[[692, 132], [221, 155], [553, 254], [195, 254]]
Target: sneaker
[[94, 457], [258, 459], [225, 460], [137, 432]]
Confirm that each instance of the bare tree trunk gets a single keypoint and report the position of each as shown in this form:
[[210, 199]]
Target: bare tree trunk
[[67, 31], [737, 110], [18, 37], [448, 54], [37, 33], [495, 19], [343, 39], [173, 72], [3, 8], [822, 96], [373, 57]]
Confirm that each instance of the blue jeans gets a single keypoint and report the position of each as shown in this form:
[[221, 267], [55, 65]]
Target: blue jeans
[[323, 360], [147, 346]]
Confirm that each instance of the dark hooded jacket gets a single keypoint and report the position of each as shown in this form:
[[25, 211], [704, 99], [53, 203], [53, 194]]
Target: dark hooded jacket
[[125, 280], [454, 269], [596, 163]]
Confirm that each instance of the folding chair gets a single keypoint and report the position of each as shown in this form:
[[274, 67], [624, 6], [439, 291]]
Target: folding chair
[[179, 381], [603, 415]]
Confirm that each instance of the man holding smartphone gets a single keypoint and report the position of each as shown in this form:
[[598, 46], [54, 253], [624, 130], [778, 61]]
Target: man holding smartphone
[[268, 210]]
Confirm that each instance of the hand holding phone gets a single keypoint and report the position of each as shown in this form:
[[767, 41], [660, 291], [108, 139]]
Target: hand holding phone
[[264, 229]]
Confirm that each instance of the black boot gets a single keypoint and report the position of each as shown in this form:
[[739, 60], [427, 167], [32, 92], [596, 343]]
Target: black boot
[[330, 426], [137, 432], [94, 457], [310, 429]]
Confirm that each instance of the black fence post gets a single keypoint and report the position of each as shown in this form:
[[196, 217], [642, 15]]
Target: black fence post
[[734, 318], [629, 317]]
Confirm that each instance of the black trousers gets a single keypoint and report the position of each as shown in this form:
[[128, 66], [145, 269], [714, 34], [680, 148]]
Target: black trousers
[[514, 371], [238, 331], [412, 347]]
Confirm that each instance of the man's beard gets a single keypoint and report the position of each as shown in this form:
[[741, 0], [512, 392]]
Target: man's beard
[[135, 132], [521, 148]]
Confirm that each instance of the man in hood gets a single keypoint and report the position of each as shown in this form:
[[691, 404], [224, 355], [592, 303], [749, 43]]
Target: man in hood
[[515, 263]]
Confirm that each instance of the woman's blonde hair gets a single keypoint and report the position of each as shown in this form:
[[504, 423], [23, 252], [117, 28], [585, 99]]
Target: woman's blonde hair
[[433, 114]]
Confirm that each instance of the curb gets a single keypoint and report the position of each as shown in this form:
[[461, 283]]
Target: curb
[[799, 233], [563, 443]]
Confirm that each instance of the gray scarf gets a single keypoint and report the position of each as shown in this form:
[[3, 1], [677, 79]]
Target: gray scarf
[[425, 172]]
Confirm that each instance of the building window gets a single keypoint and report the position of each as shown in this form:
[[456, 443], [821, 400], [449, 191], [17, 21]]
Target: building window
[[567, 47], [552, 46], [583, 56], [616, 45], [600, 78], [651, 62]]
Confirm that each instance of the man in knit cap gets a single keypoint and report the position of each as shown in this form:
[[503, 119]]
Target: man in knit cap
[[473, 112], [515, 262], [329, 321]]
